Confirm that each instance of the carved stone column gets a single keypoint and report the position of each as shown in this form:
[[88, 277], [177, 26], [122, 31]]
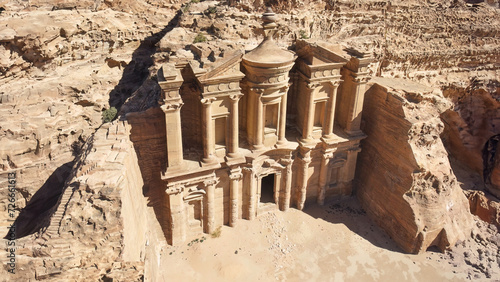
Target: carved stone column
[[258, 119], [235, 175], [323, 175], [309, 118], [178, 214], [258, 193], [354, 119], [252, 192], [282, 122], [170, 81], [234, 142], [330, 114], [277, 186], [210, 202], [285, 201], [208, 132], [174, 134], [302, 192], [352, 155]]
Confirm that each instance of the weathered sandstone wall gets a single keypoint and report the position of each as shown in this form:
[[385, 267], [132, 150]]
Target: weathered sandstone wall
[[405, 182], [100, 225]]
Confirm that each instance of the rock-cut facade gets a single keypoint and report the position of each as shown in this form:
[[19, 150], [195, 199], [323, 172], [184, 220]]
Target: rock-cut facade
[[249, 133]]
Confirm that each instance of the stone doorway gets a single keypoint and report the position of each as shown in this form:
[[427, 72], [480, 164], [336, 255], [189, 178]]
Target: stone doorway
[[195, 217], [267, 189]]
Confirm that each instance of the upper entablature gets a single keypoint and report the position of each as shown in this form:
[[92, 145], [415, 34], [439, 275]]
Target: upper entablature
[[319, 53], [170, 80], [359, 61]]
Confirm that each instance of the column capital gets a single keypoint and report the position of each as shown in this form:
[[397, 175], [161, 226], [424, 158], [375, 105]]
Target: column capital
[[208, 101], [235, 174], [285, 88], [361, 79], [355, 149], [313, 85], [210, 182], [328, 155], [235, 97], [306, 157], [286, 162], [169, 107], [247, 169], [335, 83], [257, 90], [174, 189]]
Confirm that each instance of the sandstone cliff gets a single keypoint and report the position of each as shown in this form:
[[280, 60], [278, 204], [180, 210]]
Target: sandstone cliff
[[99, 227], [405, 181]]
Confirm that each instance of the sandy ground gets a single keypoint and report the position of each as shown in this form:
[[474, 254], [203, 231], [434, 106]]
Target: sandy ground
[[337, 242]]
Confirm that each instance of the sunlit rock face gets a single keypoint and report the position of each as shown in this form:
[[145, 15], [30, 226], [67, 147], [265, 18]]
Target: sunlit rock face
[[405, 181]]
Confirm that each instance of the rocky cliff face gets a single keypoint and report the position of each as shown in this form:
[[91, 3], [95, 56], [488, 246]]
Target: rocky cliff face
[[405, 181], [99, 226]]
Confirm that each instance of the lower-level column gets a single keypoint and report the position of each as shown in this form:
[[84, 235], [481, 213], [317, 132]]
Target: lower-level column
[[177, 215], [301, 195], [285, 202], [277, 187], [235, 176], [323, 175], [210, 202], [352, 155], [252, 192]]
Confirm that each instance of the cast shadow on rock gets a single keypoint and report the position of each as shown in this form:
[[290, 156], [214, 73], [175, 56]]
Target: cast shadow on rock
[[35, 215]]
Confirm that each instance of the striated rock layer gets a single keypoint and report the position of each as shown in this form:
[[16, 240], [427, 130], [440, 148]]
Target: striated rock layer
[[405, 181]]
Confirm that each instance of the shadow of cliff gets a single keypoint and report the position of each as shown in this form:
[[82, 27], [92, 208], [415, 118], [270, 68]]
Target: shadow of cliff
[[349, 213], [137, 71], [33, 217], [148, 131]]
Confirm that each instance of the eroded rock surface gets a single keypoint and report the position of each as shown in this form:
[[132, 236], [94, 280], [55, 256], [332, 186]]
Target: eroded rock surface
[[405, 181]]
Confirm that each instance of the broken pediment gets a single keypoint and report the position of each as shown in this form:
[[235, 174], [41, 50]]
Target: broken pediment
[[316, 53], [225, 67]]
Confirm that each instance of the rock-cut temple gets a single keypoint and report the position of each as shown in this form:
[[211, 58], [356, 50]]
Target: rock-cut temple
[[269, 129]]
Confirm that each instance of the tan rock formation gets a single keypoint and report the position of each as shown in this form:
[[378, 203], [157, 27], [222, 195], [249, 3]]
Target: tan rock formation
[[405, 182], [99, 227]]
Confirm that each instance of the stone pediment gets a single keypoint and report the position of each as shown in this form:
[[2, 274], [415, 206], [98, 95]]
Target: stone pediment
[[227, 69]]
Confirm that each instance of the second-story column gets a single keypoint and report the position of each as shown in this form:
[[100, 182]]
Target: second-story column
[[259, 120], [234, 130], [174, 134], [330, 114], [309, 118], [282, 122], [208, 131]]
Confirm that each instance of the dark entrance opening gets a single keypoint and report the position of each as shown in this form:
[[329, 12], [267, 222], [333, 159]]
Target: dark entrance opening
[[267, 189]]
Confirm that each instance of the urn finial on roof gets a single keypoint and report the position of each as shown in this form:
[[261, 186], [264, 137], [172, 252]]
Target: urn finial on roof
[[268, 53], [269, 23]]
